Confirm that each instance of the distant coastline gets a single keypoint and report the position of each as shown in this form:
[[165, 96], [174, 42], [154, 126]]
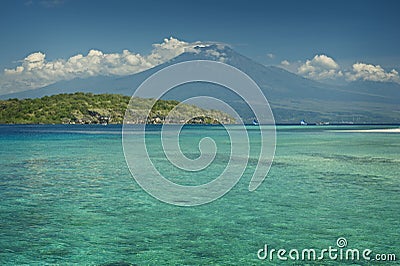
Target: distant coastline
[[89, 108]]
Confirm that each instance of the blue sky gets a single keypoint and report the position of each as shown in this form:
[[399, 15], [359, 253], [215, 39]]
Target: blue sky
[[269, 32]]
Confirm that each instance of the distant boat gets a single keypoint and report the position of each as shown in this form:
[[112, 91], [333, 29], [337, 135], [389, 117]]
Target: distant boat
[[303, 123], [255, 122]]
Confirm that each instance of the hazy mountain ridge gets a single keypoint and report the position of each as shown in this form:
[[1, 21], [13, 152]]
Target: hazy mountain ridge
[[291, 97]]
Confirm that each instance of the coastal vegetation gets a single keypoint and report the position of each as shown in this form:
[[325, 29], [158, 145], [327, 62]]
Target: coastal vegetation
[[89, 108]]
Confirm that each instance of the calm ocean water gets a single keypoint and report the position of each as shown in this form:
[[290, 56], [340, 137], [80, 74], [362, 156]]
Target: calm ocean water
[[67, 197]]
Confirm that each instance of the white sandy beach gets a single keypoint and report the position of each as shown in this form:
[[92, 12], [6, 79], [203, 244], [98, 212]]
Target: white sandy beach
[[378, 130]]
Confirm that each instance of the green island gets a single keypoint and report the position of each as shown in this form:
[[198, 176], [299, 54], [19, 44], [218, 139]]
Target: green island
[[89, 108]]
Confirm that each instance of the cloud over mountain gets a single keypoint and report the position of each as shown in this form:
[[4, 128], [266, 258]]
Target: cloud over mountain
[[35, 71], [372, 73], [323, 67], [320, 67], [285, 63]]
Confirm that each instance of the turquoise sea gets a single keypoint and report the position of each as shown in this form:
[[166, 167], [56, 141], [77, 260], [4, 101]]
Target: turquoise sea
[[68, 198]]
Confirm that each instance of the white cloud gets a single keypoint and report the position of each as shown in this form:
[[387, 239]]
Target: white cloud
[[271, 56], [372, 73], [323, 67], [285, 63], [320, 67], [216, 55], [35, 71]]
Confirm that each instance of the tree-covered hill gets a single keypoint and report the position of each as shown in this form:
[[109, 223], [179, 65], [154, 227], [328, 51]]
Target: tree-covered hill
[[88, 108]]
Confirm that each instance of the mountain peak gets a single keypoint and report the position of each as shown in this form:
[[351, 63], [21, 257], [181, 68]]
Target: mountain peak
[[212, 51]]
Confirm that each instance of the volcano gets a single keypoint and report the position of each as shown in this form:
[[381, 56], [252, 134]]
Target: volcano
[[292, 98]]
